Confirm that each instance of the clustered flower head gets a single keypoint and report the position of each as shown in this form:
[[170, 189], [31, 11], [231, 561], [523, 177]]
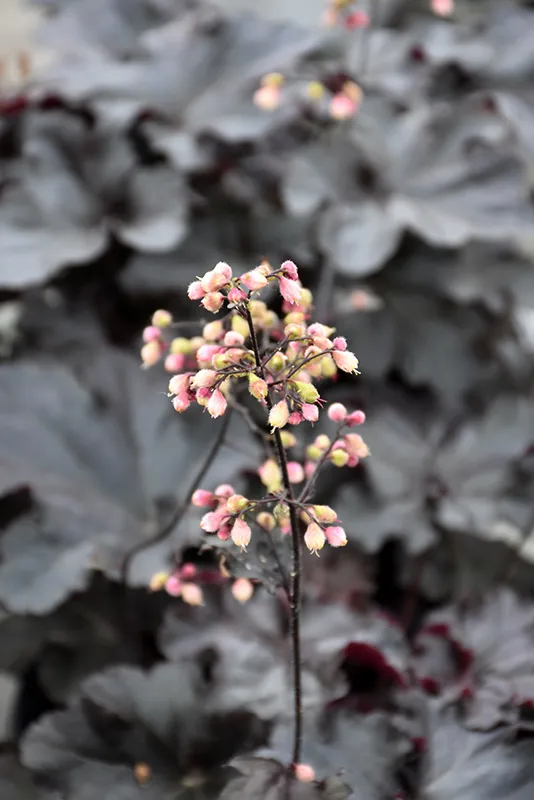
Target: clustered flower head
[[227, 359]]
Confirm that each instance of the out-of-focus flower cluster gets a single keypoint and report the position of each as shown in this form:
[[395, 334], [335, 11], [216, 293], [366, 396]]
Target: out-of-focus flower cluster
[[340, 104], [279, 375]]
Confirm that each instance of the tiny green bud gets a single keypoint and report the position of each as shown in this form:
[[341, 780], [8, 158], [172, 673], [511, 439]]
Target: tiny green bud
[[313, 452], [180, 345], [339, 458], [288, 439], [306, 391]]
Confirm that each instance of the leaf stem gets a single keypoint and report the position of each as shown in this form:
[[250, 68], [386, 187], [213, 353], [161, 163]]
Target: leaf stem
[[295, 574]]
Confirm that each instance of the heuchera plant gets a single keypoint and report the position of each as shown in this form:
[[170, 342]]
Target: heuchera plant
[[279, 358]]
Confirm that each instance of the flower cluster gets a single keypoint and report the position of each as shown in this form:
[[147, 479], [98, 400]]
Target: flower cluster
[[226, 360]]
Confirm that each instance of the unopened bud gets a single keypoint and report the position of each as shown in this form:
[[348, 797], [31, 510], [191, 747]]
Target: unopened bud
[[192, 594], [173, 586], [288, 439], [314, 538], [324, 513], [339, 458], [240, 325], [151, 333], [242, 590], [237, 503], [150, 353], [313, 453], [295, 472], [158, 581], [356, 418], [180, 345], [304, 773], [278, 415], [213, 330], [202, 498], [277, 362], [241, 533], [161, 318], [174, 362], [266, 520], [306, 391], [142, 773], [337, 412]]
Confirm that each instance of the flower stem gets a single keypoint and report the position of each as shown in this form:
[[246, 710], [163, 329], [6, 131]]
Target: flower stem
[[295, 573]]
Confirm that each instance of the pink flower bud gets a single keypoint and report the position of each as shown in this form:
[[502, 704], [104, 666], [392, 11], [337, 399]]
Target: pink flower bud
[[295, 472], [266, 520], [224, 491], [181, 402], [173, 586], [295, 418], [179, 383], [195, 291], [161, 318], [236, 295], [309, 469], [224, 532], [267, 97], [353, 461], [290, 290], [290, 270], [217, 277], [150, 353], [345, 360], [355, 418], [314, 538], [355, 446], [340, 343], [204, 379], [206, 352], [304, 773], [234, 339], [257, 387], [242, 590], [254, 280], [202, 498], [174, 362], [358, 19], [279, 415], [337, 412], [213, 302], [241, 533], [318, 329], [443, 8], [342, 107], [310, 412], [217, 404], [188, 571], [192, 594], [151, 333], [212, 521], [336, 536]]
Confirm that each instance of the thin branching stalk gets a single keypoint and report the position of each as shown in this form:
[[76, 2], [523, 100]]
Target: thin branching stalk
[[295, 574]]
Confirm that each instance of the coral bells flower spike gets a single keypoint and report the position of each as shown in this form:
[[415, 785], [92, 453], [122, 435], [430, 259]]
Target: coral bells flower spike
[[345, 360], [254, 280], [337, 412], [217, 404], [195, 291], [336, 536], [241, 533], [279, 415], [314, 538], [290, 290]]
